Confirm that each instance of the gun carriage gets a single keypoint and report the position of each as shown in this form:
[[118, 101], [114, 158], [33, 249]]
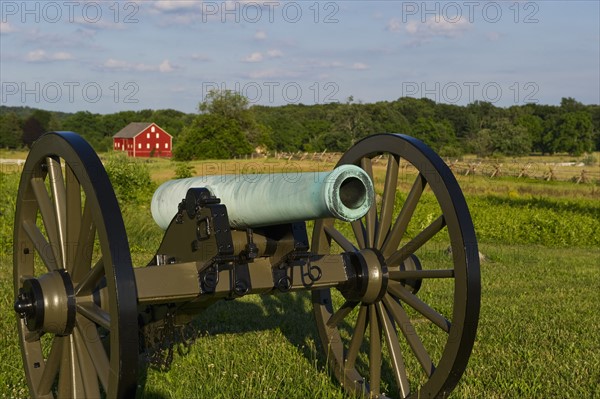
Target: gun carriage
[[394, 318]]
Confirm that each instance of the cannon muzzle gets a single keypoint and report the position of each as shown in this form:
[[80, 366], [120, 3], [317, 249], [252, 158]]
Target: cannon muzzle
[[256, 200]]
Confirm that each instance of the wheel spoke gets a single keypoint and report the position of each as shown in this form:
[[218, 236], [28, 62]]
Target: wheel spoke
[[359, 233], [85, 244], [51, 367], [91, 279], [400, 316], [59, 196], [413, 301], [371, 216], [68, 218], [31, 336], [73, 189], [357, 338], [41, 245], [407, 321], [341, 313], [69, 379], [427, 234], [401, 223], [419, 274], [340, 239], [388, 200], [48, 217], [374, 352], [95, 314], [86, 366], [93, 344], [391, 338]]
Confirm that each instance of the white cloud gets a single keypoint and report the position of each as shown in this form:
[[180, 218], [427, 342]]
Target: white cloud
[[119, 65], [200, 57], [412, 27], [165, 66], [493, 36], [260, 35], [360, 66], [5, 27], [274, 53], [254, 57], [36, 55], [394, 25], [434, 27], [324, 64], [179, 12], [422, 32], [41, 56], [272, 73], [62, 56], [174, 5]]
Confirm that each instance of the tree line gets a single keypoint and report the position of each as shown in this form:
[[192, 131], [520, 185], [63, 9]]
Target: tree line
[[227, 126]]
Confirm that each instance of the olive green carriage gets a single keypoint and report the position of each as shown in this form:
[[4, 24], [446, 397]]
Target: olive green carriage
[[395, 288]]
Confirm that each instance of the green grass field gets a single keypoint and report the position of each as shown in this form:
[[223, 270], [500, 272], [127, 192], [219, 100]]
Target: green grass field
[[539, 330]]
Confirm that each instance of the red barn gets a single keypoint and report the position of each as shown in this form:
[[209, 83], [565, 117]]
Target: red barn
[[143, 139]]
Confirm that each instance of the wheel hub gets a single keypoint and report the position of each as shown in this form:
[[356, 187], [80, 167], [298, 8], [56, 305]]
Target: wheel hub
[[47, 303], [371, 279]]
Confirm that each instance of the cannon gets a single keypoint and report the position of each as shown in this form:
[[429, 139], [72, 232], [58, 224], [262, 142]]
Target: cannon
[[392, 265]]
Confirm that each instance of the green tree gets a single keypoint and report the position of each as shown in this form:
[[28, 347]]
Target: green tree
[[569, 104], [232, 105], [594, 111], [349, 122], [130, 178], [385, 118], [38, 123], [32, 130], [535, 130], [211, 136], [88, 125], [510, 139], [573, 133], [415, 108], [436, 134], [11, 130], [480, 143]]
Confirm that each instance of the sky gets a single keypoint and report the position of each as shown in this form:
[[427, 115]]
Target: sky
[[108, 56]]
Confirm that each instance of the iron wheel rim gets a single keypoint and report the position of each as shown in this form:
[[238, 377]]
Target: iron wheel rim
[[376, 230], [66, 207]]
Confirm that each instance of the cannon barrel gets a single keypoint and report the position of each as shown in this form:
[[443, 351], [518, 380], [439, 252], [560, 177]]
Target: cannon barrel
[[256, 200]]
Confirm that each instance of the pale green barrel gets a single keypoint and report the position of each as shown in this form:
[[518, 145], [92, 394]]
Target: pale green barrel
[[257, 200]]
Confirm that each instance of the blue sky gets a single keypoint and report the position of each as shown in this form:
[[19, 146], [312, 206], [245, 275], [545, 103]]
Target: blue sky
[[108, 56]]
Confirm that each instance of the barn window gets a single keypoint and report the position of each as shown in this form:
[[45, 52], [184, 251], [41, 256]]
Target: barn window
[[157, 135], [147, 135], [166, 146], [153, 129], [148, 146], [157, 146], [139, 146]]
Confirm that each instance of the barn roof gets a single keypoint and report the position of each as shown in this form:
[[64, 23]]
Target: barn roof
[[132, 130]]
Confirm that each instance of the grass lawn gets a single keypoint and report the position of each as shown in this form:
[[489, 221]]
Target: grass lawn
[[538, 337], [539, 331]]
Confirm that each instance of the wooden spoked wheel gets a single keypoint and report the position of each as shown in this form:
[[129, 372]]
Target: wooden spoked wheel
[[412, 334], [74, 284]]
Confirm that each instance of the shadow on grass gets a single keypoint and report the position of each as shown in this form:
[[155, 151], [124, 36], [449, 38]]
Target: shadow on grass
[[289, 313]]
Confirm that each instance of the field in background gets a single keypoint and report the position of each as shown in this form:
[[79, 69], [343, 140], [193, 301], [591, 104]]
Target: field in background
[[539, 334]]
